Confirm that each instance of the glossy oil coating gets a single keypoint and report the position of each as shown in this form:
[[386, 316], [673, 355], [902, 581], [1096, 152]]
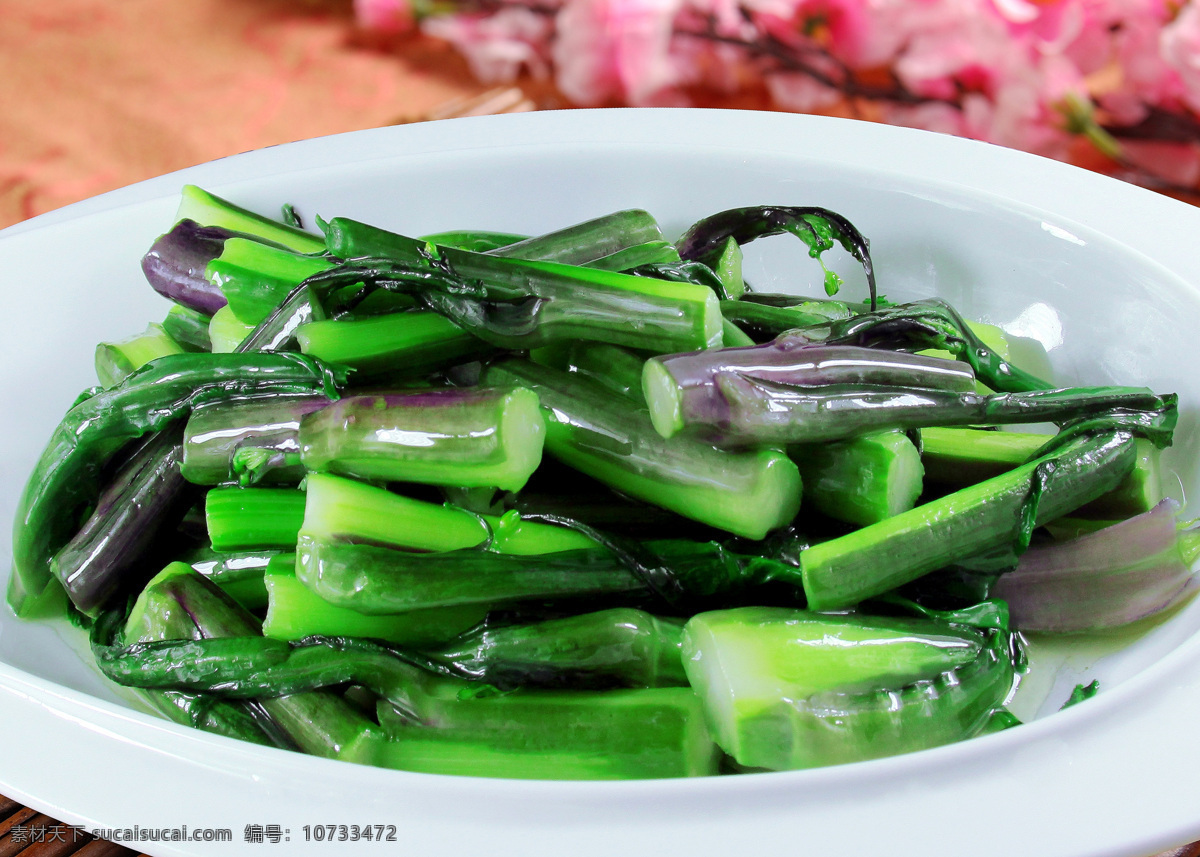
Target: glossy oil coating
[[973, 204]]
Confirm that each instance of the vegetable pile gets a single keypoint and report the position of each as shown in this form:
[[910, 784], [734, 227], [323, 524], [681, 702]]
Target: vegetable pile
[[580, 505]]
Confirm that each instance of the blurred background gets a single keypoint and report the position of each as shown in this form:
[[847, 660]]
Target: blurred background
[[96, 95]]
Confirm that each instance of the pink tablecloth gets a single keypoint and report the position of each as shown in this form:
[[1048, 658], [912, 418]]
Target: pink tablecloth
[[96, 94]]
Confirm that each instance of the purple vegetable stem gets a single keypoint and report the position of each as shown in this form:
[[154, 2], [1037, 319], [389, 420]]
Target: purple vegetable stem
[[1106, 579], [792, 361], [176, 262]]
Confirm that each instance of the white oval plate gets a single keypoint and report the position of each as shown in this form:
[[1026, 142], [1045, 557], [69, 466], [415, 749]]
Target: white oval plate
[[1103, 274]]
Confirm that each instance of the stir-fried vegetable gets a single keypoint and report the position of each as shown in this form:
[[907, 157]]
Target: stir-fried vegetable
[[581, 504], [794, 689]]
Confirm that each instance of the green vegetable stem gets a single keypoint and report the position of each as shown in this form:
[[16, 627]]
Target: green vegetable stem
[[610, 439], [792, 689], [998, 512], [654, 732], [67, 478], [246, 518], [956, 457], [862, 480], [396, 345], [523, 304], [621, 647], [115, 360], [294, 611], [581, 505], [467, 437]]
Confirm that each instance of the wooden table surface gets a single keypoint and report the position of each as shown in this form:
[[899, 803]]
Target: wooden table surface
[[95, 95]]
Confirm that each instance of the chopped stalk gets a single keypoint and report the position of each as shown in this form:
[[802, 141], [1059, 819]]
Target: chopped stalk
[[993, 514], [239, 574], [116, 360], [378, 580], [558, 490], [765, 322], [525, 304], [359, 549], [411, 751], [654, 732], [217, 432], [829, 309], [467, 437], [613, 367], [225, 333], [188, 327], [650, 253], [145, 500], [340, 509], [733, 336], [256, 277], [511, 534], [748, 411], [343, 509], [618, 647], [589, 241], [861, 481], [174, 265], [1118, 575], [66, 479], [614, 242], [219, 716], [963, 456], [277, 332], [477, 241], [728, 268], [748, 393], [243, 518], [553, 734], [790, 689], [605, 436], [156, 617], [316, 722], [294, 612], [395, 345], [208, 209]]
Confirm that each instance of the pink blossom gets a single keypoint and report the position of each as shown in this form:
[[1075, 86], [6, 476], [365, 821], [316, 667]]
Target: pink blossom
[[1178, 163], [933, 116], [384, 16], [966, 49], [1019, 116], [1180, 46], [1138, 51], [497, 46], [617, 49], [717, 65], [800, 93], [1031, 74], [1048, 26], [844, 26], [726, 15], [892, 22]]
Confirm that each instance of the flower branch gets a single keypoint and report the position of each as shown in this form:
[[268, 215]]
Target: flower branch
[[1111, 84]]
